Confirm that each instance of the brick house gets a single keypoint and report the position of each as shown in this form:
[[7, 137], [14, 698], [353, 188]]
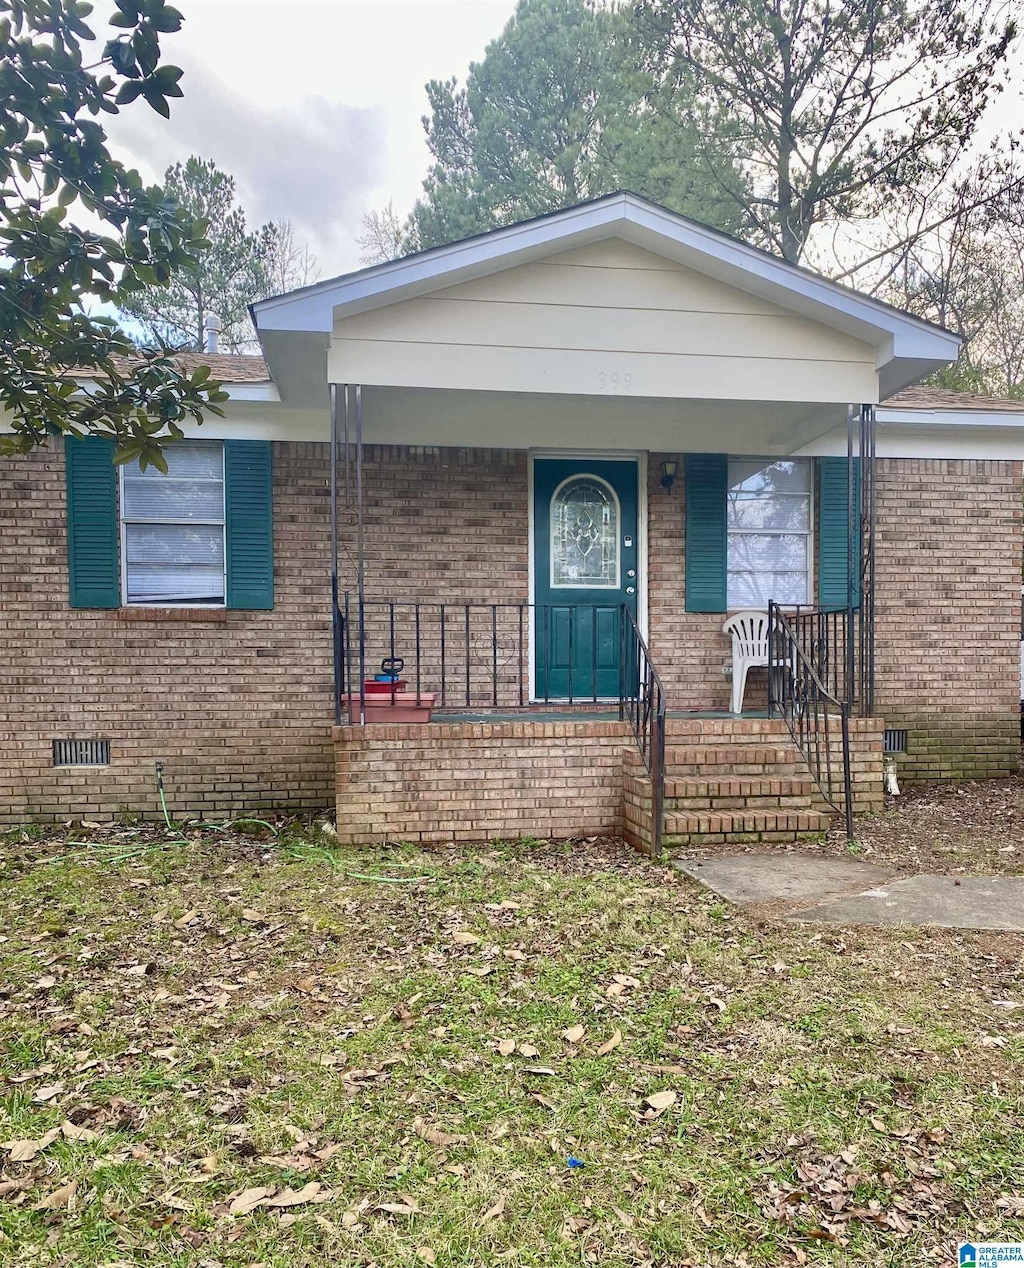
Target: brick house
[[542, 466]]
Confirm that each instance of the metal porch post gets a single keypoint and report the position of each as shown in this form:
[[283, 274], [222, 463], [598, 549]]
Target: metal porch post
[[360, 550], [852, 562], [867, 589], [335, 611]]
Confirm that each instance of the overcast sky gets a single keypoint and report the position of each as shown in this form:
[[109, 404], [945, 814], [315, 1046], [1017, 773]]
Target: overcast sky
[[314, 106]]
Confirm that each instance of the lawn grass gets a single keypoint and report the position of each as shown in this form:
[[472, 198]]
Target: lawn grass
[[226, 1016]]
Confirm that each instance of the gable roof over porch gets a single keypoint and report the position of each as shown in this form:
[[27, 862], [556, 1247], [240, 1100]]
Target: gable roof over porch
[[682, 310]]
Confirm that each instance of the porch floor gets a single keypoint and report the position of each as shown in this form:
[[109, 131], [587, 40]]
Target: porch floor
[[581, 715]]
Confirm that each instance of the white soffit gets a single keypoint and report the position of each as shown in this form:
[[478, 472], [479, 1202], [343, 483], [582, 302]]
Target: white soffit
[[907, 347]]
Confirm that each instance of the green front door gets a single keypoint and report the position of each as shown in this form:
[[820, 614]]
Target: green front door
[[585, 567]]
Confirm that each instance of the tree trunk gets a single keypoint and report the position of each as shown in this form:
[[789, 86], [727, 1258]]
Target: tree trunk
[[790, 234], [200, 319]]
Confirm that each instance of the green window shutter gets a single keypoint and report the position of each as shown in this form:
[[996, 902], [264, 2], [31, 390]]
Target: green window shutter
[[833, 519], [248, 514], [93, 577], [707, 538]]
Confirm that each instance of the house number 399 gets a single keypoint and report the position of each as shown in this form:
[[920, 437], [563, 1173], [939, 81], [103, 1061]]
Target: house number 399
[[614, 382]]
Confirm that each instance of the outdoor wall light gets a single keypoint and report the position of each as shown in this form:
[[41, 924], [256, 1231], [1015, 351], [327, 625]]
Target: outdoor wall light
[[668, 474]]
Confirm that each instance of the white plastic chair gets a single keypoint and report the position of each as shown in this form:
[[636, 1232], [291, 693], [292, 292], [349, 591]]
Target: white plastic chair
[[749, 631]]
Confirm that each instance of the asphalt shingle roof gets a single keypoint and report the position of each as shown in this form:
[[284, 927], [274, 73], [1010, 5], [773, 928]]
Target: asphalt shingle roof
[[921, 396], [225, 366]]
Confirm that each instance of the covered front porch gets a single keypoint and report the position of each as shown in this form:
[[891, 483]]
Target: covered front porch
[[501, 715], [559, 456]]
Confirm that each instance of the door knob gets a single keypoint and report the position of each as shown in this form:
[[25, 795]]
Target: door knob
[[631, 589]]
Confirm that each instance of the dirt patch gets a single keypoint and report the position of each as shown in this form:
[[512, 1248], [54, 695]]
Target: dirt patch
[[975, 827]]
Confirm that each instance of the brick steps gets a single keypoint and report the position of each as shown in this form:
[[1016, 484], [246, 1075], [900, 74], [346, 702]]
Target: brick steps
[[795, 793], [728, 782], [743, 825], [750, 761]]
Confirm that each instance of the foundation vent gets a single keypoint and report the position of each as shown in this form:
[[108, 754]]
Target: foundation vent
[[81, 752], [894, 741]]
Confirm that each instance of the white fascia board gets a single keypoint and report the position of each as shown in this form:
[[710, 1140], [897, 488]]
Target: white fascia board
[[315, 307], [969, 418], [236, 391], [266, 392], [894, 334]]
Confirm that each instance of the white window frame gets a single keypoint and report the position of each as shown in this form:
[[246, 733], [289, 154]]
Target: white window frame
[[124, 522], [812, 496]]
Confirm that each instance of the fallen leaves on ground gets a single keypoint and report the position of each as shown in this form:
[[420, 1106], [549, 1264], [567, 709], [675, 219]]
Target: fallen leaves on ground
[[61, 1199], [229, 1053], [249, 1200], [661, 1101], [435, 1135], [494, 1212], [611, 1044]]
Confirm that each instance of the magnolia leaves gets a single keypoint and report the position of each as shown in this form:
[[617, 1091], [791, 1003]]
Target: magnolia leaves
[[135, 56], [134, 235]]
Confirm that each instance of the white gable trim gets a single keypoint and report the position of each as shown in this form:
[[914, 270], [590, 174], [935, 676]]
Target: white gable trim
[[906, 347]]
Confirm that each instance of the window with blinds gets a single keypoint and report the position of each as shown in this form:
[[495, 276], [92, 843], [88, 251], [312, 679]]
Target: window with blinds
[[172, 528], [769, 532]]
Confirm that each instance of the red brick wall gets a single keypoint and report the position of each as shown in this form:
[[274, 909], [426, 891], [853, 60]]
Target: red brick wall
[[948, 572], [689, 648], [480, 782], [238, 705]]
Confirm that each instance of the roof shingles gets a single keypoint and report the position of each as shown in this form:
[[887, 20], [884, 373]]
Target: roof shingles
[[226, 367], [921, 396]]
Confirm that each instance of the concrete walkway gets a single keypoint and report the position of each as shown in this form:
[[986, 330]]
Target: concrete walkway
[[840, 891]]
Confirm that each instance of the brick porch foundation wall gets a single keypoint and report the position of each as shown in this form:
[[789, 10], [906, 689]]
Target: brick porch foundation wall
[[479, 781]]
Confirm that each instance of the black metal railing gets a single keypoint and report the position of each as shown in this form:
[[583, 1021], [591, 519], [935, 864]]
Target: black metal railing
[[825, 639], [482, 656], [499, 657], [643, 704], [818, 719]]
